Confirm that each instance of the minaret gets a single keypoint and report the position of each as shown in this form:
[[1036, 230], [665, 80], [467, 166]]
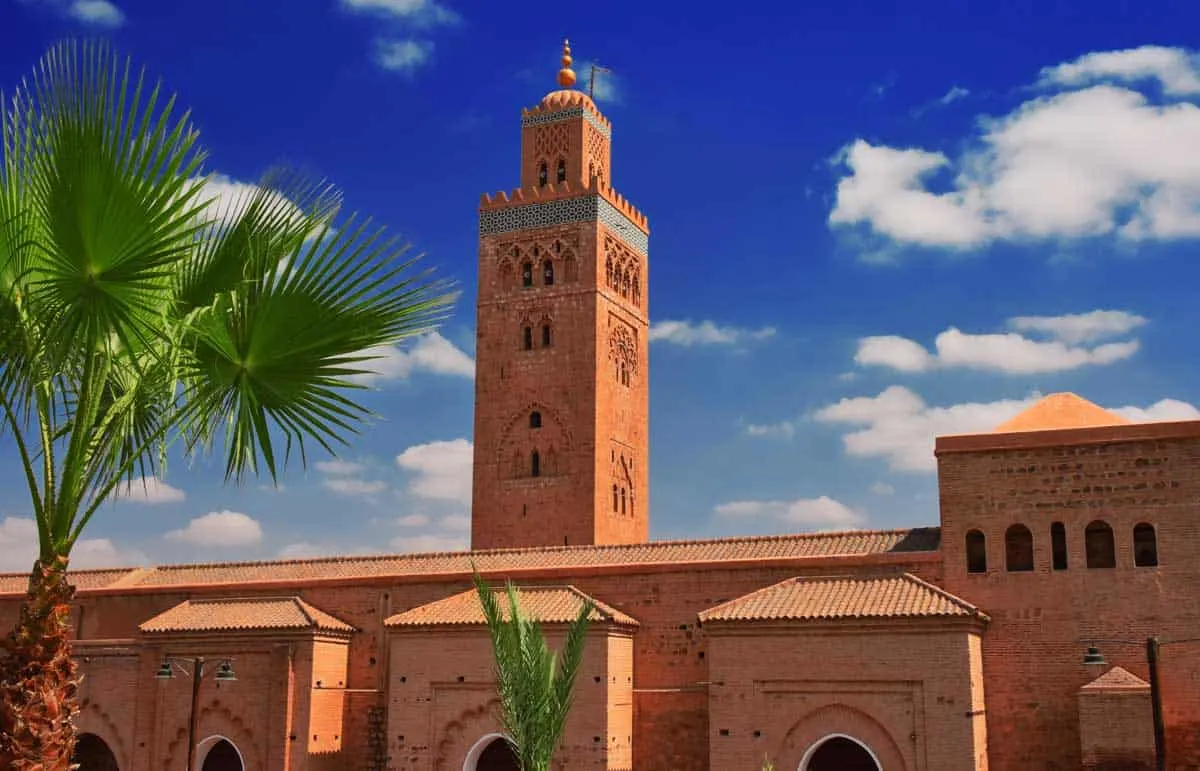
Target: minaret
[[561, 386]]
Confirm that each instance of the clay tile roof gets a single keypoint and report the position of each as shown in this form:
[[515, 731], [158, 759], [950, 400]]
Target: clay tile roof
[[850, 544], [1065, 410], [843, 597], [243, 613], [1117, 679], [544, 605], [18, 583]]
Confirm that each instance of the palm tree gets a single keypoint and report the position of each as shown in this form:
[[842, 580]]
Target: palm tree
[[135, 313], [534, 683]]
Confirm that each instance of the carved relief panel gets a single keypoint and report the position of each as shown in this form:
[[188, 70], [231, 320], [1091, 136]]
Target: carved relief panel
[[622, 350], [545, 259], [622, 270], [622, 473], [535, 443]]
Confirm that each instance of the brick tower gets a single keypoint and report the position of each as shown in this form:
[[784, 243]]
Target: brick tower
[[561, 396]]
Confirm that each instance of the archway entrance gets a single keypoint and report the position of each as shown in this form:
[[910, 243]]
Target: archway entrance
[[93, 754], [223, 756], [492, 753], [840, 753]]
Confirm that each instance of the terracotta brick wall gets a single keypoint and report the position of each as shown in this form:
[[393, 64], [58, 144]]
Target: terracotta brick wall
[[904, 690], [1116, 731], [1033, 650]]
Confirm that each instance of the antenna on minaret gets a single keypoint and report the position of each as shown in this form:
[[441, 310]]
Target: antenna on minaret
[[592, 79]]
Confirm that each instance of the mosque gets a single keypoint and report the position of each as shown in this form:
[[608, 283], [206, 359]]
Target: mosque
[[1044, 625]]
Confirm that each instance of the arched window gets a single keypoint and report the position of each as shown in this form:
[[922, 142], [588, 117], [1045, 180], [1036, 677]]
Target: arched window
[[608, 272], [1098, 543], [1018, 549], [637, 290], [614, 499], [542, 180], [622, 500], [562, 170], [1058, 545], [976, 552], [535, 419], [535, 464], [548, 273], [527, 274], [528, 338], [1145, 546], [545, 335]]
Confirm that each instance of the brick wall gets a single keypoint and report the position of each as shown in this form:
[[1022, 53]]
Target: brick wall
[[1116, 731], [904, 690], [1033, 650]]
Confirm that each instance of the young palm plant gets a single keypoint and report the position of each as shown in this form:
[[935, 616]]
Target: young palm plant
[[136, 312], [535, 684]]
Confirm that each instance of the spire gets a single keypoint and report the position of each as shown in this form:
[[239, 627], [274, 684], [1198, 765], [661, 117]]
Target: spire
[[566, 76]]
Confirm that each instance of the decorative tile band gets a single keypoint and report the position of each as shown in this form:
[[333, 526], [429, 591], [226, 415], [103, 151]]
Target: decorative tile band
[[588, 208], [542, 118]]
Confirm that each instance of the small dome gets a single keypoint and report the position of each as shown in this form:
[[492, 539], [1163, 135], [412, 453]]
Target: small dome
[[568, 97]]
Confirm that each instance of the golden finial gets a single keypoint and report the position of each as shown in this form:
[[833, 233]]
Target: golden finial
[[566, 76]]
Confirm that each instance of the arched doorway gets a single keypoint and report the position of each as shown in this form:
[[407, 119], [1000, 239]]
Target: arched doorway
[[839, 753], [222, 756], [491, 753], [93, 754]]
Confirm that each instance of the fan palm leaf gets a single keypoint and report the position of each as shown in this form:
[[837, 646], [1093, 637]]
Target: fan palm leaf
[[140, 306]]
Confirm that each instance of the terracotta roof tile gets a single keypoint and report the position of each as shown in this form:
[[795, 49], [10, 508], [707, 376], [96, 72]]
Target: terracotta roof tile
[[545, 605], [804, 545], [1117, 679], [17, 583], [843, 597], [243, 613], [1064, 410]]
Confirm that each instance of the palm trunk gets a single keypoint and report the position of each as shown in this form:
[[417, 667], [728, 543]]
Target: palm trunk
[[38, 679]]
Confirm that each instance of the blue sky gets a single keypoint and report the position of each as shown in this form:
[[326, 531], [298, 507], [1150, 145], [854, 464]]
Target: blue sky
[[870, 224]]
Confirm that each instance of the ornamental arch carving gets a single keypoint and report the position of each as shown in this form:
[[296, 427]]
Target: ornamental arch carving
[[535, 442], [810, 731]]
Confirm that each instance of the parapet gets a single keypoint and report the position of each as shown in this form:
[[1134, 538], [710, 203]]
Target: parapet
[[565, 189], [566, 99]]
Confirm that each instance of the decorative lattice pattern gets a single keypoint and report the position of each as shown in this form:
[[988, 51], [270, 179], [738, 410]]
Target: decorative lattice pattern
[[544, 118], [622, 485], [591, 208], [596, 151], [551, 143], [622, 351], [622, 271]]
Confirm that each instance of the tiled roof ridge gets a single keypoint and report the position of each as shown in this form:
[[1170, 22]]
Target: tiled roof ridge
[[530, 549], [953, 599], [603, 608]]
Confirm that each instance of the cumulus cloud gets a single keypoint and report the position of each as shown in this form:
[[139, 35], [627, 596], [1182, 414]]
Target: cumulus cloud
[[147, 490], [97, 13], [338, 467], [607, 86], [413, 520], [428, 353], [220, 528], [1010, 352], [358, 487], [440, 470], [19, 548], [688, 333], [784, 429], [822, 513], [428, 543], [898, 427], [404, 56], [420, 13], [1088, 156], [882, 488]]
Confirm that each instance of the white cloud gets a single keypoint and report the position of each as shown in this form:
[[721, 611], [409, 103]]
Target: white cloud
[[822, 513], [687, 333], [99, 13], [882, 488], [413, 520], [784, 429], [428, 353], [220, 528], [19, 549], [428, 543], [1077, 328], [339, 467], [954, 94], [1010, 352], [1087, 159], [607, 85], [147, 490], [441, 470], [418, 13], [898, 427], [301, 550], [1176, 70], [460, 522], [405, 56], [359, 487]]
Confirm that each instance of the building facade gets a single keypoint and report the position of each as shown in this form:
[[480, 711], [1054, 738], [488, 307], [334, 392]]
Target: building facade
[[950, 648]]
